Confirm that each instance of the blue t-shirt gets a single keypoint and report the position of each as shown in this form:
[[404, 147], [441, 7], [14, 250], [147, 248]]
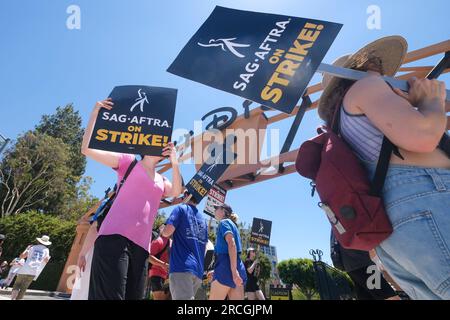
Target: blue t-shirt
[[227, 226], [189, 240]]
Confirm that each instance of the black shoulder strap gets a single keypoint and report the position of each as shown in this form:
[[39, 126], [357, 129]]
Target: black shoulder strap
[[127, 173], [382, 167], [387, 148], [444, 144]]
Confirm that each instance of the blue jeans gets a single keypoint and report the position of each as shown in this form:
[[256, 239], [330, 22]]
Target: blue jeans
[[417, 254]]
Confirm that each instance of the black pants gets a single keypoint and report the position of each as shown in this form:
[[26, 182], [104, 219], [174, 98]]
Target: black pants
[[360, 277], [119, 269]]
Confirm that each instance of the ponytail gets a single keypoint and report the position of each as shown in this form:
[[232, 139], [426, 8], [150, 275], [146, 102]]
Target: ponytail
[[234, 217]]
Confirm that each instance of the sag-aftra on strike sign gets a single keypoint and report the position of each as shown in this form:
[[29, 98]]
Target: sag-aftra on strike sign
[[141, 121], [266, 58]]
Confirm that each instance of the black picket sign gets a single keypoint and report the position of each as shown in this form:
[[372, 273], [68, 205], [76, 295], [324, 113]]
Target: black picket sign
[[261, 230], [266, 58], [141, 121], [211, 171]]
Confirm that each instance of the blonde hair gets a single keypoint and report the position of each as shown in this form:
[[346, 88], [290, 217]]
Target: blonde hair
[[234, 217]]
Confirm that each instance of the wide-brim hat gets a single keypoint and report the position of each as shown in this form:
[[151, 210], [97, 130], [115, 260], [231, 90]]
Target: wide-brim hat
[[45, 240], [389, 50]]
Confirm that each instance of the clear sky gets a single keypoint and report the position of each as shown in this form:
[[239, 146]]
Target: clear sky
[[45, 65]]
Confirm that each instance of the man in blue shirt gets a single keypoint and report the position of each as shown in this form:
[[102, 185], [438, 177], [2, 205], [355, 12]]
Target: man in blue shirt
[[190, 235]]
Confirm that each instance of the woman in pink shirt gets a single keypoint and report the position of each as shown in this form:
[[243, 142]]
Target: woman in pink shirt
[[119, 263]]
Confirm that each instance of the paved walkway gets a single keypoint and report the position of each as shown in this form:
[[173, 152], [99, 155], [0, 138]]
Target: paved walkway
[[34, 295]]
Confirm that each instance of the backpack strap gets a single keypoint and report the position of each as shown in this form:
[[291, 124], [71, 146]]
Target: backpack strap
[[387, 148], [127, 173], [444, 144], [382, 167]]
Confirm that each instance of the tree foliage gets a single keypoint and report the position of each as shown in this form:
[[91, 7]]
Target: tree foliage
[[65, 124], [265, 267], [299, 272], [31, 172], [43, 170], [160, 219]]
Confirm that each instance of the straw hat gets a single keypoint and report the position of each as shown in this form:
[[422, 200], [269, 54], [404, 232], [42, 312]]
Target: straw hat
[[389, 50], [45, 240]]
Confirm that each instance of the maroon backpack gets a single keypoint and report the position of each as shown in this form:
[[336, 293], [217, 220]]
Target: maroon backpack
[[351, 202]]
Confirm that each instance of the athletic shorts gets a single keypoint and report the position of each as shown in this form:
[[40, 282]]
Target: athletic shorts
[[158, 284], [222, 271]]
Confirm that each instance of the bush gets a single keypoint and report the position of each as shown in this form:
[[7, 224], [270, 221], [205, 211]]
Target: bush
[[21, 230]]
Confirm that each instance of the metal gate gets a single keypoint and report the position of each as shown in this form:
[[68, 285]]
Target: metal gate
[[331, 283]]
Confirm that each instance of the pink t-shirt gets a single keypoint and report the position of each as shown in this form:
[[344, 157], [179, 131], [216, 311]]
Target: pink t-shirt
[[134, 210]]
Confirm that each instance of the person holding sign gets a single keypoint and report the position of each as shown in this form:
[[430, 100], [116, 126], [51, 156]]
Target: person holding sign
[[229, 275], [253, 268], [121, 251], [190, 235], [416, 188]]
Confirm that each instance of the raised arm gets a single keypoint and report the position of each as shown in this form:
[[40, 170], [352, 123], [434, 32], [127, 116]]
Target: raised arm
[[253, 266], [110, 159], [174, 188], [414, 121]]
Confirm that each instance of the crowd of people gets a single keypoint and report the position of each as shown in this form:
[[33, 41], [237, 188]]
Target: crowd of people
[[117, 253], [415, 258], [415, 195], [26, 268]]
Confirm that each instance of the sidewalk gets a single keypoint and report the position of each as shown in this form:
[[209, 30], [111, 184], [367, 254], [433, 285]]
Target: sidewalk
[[36, 295]]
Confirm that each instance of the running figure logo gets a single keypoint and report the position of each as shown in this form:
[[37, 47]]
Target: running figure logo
[[228, 43], [217, 161], [140, 101], [261, 227]]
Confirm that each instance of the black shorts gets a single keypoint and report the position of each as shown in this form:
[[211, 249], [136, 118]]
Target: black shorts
[[119, 269], [252, 286], [157, 284]]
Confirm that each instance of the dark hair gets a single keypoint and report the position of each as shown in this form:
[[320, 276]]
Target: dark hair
[[336, 98], [249, 252]]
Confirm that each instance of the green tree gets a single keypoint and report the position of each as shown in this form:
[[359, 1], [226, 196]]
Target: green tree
[[159, 220], [33, 169], [77, 206], [65, 124], [299, 272], [265, 270], [61, 189], [212, 236]]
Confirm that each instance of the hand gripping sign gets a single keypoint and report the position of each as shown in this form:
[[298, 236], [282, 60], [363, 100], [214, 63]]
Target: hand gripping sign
[[211, 170], [141, 121], [266, 58]]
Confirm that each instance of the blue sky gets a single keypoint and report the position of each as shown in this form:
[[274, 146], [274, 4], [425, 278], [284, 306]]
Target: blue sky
[[45, 65]]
